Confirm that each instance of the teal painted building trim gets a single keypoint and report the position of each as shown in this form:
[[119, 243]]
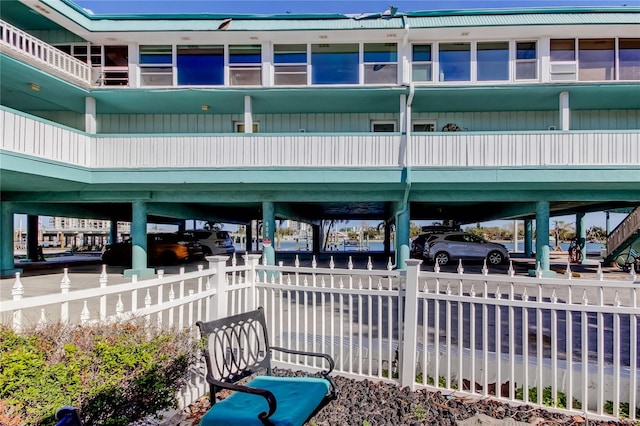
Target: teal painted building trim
[[7, 262]]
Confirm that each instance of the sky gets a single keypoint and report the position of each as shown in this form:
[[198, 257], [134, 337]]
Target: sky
[[314, 6]]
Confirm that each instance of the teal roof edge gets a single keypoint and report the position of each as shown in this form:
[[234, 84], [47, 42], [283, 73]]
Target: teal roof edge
[[327, 16]]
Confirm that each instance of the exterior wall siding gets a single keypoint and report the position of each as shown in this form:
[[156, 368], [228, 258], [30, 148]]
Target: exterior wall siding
[[56, 36], [499, 121], [66, 118]]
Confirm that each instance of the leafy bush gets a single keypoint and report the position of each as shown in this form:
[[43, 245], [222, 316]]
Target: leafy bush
[[115, 373]]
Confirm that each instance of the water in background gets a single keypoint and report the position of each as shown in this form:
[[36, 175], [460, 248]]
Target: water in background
[[287, 245]]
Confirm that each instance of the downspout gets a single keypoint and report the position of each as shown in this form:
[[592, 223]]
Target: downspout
[[407, 163]]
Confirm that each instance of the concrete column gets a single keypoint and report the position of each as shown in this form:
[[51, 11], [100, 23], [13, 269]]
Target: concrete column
[[90, 121], [317, 239], [402, 235], [182, 225], [268, 231], [32, 238], [113, 231], [528, 238], [581, 233], [139, 241], [7, 267], [565, 112], [248, 115], [542, 235], [607, 223]]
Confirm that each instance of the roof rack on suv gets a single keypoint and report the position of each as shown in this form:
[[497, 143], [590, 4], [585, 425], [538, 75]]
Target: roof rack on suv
[[440, 228]]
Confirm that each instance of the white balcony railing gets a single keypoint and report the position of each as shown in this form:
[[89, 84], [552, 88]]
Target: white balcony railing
[[23, 46], [39, 138]]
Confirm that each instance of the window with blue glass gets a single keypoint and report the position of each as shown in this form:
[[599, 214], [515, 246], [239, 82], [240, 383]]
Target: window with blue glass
[[156, 65], [455, 61], [493, 61], [245, 65], [629, 58], [526, 60], [421, 63], [200, 65], [334, 64], [290, 64], [380, 63]]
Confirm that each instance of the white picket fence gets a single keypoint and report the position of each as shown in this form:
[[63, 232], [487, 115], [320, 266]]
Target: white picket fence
[[567, 342]]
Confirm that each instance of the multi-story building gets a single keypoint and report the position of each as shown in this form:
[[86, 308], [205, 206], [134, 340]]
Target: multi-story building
[[459, 115]]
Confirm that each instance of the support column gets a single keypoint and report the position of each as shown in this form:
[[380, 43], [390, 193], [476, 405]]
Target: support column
[[268, 231], [565, 112], [90, 121], [542, 236], [528, 238], [581, 234], [607, 223], [248, 239], [248, 115], [387, 238], [402, 236], [7, 266], [113, 232], [317, 239], [182, 225], [32, 239], [139, 241]]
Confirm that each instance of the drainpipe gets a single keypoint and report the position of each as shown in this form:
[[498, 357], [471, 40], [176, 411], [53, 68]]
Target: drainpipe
[[402, 229]]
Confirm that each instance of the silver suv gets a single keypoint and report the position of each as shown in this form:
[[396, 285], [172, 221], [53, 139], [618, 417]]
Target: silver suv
[[443, 248], [213, 241]]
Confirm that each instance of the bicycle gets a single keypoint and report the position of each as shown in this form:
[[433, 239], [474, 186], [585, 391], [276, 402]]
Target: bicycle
[[575, 252], [626, 260]]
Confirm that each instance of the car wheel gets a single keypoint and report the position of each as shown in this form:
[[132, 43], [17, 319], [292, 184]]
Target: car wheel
[[442, 257], [206, 251], [495, 258], [168, 258]]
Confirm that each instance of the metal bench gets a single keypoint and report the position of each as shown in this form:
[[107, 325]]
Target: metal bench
[[237, 347]]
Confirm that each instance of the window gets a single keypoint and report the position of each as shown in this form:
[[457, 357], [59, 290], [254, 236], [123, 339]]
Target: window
[[245, 65], [239, 127], [629, 58], [156, 65], [596, 60], [421, 67], [563, 50], [334, 63], [493, 61], [424, 126], [383, 126], [79, 51], [563, 65], [200, 65], [380, 63], [526, 60], [455, 61], [290, 64]]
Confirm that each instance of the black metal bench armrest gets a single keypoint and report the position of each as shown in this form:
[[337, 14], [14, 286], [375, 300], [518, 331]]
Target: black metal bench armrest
[[268, 395], [325, 373]]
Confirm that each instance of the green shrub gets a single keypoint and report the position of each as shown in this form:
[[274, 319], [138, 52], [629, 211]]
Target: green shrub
[[115, 373]]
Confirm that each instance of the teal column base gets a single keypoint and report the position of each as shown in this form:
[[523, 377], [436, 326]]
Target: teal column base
[[141, 272], [8, 273]]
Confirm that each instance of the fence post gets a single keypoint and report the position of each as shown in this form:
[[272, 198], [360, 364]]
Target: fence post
[[252, 260], [219, 263], [408, 346]]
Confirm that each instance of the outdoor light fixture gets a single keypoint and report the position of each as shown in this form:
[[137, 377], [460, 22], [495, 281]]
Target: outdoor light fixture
[[205, 107], [34, 86]]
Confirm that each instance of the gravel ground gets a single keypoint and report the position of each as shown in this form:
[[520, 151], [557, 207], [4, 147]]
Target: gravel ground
[[363, 403]]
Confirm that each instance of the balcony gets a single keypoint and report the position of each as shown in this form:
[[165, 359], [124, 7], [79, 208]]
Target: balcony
[[24, 47], [38, 138]]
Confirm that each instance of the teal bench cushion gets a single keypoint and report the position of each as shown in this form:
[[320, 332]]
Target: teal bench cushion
[[296, 398]]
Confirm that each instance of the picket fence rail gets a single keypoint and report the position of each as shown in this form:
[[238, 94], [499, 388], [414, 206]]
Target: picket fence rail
[[568, 343]]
